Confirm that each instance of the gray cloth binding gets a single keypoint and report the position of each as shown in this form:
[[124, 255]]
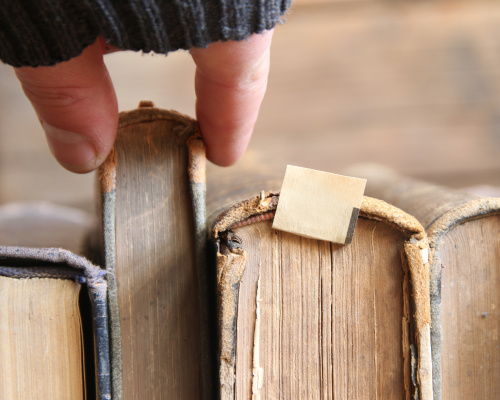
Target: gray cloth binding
[[108, 206], [59, 263]]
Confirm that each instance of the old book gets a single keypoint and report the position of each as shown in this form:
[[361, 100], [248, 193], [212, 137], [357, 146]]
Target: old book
[[45, 316], [302, 318], [152, 188], [464, 238]]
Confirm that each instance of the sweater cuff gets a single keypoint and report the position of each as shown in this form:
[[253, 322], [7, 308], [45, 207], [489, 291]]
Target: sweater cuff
[[46, 32]]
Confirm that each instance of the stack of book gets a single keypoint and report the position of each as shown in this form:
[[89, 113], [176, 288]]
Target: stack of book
[[187, 307]]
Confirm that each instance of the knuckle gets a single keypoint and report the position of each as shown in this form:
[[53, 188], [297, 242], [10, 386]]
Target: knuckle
[[239, 78], [42, 95]]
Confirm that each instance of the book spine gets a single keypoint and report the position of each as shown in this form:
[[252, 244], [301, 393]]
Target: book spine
[[107, 189], [197, 187], [98, 300]]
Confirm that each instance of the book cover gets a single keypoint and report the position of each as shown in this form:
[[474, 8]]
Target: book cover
[[152, 192], [464, 238], [304, 318], [53, 315]]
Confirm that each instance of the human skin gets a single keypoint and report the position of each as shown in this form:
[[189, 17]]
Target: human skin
[[77, 107]]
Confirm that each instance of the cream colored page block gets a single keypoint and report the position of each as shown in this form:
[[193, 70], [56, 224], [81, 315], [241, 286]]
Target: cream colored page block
[[40, 340], [318, 204]]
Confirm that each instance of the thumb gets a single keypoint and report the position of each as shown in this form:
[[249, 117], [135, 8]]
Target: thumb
[[76, 104]]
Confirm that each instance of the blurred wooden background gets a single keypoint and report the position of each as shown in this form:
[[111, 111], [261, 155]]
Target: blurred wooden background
[[411, 85]]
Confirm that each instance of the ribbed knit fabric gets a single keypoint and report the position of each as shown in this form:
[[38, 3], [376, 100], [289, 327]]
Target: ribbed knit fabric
[[45, 32]]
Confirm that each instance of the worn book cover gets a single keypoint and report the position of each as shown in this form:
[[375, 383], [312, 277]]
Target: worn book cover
[[152, 192], [464, 238], [305, 318], [53, 312]]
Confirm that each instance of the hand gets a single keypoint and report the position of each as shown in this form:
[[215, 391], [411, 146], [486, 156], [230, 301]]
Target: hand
[[77, 107]]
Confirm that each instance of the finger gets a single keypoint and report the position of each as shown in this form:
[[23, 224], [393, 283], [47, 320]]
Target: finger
[[230, 82], [76, 104]]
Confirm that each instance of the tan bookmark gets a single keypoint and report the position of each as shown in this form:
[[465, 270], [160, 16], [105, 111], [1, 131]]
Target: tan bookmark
[[319, 205]]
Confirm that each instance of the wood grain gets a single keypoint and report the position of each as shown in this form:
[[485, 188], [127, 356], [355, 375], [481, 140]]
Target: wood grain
[[470, 310], [330, 316], [155, 269]]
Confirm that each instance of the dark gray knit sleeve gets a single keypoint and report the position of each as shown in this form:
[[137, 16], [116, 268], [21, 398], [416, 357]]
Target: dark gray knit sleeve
[[45, 32]]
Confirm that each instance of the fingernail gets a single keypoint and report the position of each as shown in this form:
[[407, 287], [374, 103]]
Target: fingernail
[[72, 150]]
